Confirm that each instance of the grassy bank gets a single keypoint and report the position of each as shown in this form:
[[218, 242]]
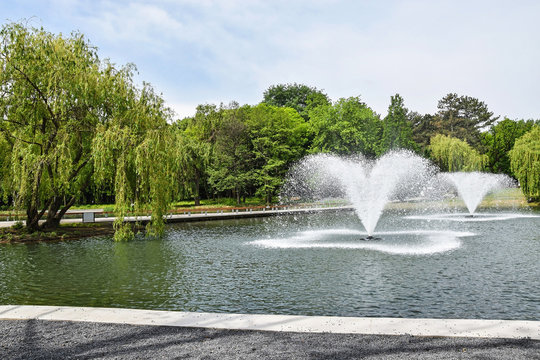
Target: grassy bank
[[18, 234]]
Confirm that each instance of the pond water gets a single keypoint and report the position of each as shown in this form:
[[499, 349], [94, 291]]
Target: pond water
[[434, 267]]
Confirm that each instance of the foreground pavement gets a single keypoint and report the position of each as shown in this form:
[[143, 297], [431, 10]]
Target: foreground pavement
[[49, 339], [49, 332]]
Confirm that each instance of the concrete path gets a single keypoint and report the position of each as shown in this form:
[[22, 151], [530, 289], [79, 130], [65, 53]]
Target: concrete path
[[30, 332], [205, 216]]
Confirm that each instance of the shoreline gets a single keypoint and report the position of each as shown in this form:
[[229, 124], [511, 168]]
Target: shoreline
[[103, 226], [74, 229]]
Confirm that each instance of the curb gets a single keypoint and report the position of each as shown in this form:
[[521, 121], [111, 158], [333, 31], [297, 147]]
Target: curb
[[474, 328]]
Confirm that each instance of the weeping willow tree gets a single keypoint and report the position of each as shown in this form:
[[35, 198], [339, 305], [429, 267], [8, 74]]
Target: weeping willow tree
[[452, 154], [5, 155], [136, 151], [51, 101], [525, 163], [66, 117]]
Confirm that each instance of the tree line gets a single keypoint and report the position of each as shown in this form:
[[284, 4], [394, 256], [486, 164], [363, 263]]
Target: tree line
[[76, 129]]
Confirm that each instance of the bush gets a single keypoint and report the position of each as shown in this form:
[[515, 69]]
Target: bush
[[19, 225]]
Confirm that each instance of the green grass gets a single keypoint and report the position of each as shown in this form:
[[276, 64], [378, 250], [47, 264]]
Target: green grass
[[104, 207], [221, 202]]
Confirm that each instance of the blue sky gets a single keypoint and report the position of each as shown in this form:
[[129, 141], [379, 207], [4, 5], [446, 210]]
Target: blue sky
[[209, 51]]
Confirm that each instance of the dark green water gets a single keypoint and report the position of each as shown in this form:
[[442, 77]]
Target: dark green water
[[310, 265]]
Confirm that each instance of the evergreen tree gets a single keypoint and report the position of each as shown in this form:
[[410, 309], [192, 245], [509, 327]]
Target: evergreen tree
[[463, 117]]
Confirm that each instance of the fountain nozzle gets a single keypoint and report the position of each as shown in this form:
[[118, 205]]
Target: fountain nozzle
[[370, 237]]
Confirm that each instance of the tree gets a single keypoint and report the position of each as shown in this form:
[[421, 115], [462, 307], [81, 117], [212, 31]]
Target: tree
[[463, 117], [232, 161], [193, 157], [52, 92], [452, 154], [65, 114], [278, 137], [300, 97], [423, 129], [525, 163], [5, 165], [134, 149], [346, 127], [500, 139], [397, 130], [195, 143]]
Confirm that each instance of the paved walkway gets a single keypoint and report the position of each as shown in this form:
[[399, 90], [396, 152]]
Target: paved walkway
[[204, 216], [29, 332]]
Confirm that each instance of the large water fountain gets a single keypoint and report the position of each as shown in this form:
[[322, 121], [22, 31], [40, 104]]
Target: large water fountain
[[367, 185]]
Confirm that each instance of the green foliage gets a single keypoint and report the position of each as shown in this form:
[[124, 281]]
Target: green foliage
[[53, 96], [193, 157], [499, 141], [463, 117], [397, 130], [248, 149], [423, 129], [525, 163], [452, 154], [232, 161], [300, 97], [18, 225], [278, 137], [134, 150], [68, 118], [348, 126], [5, 168]]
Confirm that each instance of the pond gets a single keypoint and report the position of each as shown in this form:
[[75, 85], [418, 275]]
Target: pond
[[318, 264]]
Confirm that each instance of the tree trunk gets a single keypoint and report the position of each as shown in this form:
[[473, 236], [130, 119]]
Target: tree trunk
[[196, 195], [32, 219], [51, 222]]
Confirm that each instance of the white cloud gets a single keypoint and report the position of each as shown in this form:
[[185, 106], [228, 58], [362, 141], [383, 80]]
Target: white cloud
[[196, 51]]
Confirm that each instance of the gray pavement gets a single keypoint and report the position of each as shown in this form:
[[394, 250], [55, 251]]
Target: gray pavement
[[47, 339]]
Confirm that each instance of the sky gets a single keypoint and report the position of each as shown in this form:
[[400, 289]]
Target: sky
[[218, 51]]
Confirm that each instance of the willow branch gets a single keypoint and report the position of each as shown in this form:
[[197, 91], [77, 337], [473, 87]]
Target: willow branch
[[40, 93]]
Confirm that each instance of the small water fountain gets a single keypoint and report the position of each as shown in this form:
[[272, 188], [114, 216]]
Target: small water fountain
[[368, 185], [472, 187]]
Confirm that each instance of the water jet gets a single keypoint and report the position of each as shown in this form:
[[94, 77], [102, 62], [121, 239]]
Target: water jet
[[472, 187], [366, 184]]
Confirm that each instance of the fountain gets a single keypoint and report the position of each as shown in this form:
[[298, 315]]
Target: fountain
[[367, 185], [472, 187]]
